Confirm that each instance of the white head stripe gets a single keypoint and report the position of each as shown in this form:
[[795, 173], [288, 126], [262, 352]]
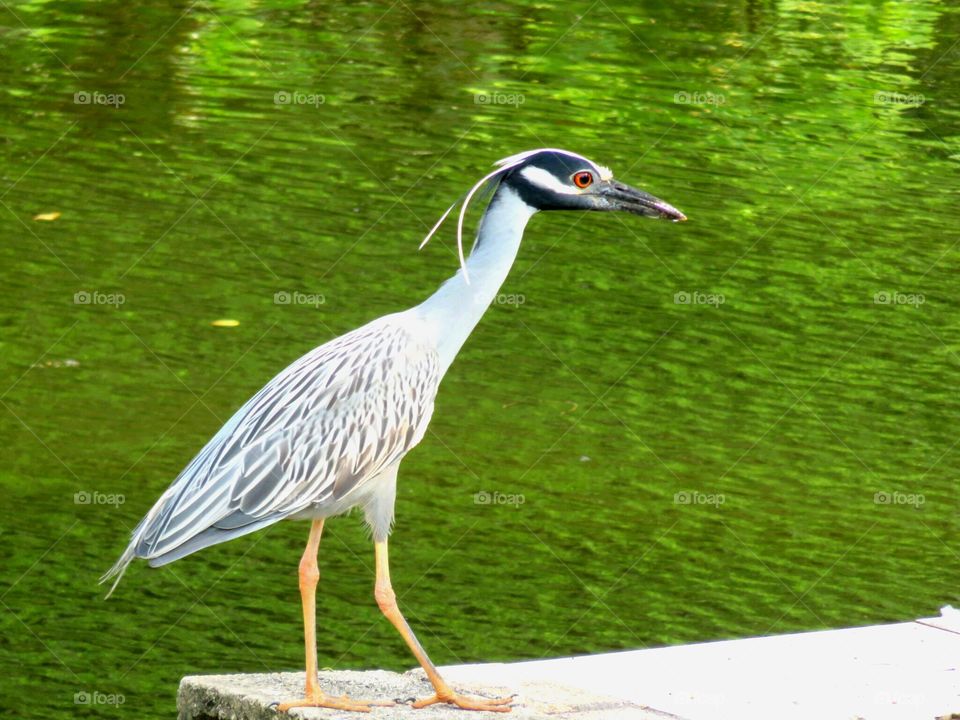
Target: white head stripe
[[605, 173], [547, 180]]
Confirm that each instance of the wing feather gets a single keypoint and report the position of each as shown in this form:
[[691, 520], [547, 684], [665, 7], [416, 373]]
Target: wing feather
[[335, 418]]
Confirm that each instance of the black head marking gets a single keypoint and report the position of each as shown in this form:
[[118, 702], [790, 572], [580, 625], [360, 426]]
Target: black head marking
[[559, 164]]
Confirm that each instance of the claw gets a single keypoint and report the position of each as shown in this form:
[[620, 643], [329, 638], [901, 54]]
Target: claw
[[334, 703], [468, 703]]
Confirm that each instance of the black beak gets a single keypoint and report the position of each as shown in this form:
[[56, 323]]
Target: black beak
[[623, 197]]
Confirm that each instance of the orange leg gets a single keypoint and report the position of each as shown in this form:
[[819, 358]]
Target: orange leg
[[309, 577], [443, 693]]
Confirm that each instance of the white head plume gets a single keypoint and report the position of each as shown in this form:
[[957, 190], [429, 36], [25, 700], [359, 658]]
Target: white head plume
[[503, 166]]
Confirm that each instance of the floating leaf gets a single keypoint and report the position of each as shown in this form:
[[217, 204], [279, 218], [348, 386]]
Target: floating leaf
[[47, 217], [67, 362]]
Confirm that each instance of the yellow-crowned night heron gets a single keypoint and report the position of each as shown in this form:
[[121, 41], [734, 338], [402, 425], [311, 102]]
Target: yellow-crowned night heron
[[328, 433]]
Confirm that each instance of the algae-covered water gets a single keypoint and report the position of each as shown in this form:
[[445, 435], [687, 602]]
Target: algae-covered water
[[741, 425]]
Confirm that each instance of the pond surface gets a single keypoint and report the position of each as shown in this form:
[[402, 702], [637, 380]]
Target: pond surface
[[742, 425]]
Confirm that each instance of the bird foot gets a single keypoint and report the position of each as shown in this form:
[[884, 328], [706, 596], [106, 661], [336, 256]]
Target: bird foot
[[467, 703], [319, 699]]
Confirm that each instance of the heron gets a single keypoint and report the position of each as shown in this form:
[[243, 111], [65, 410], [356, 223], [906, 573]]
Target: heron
[[329, 432]]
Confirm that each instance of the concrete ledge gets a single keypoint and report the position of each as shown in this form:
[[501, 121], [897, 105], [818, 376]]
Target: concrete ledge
[[906, 671], [249, 697]]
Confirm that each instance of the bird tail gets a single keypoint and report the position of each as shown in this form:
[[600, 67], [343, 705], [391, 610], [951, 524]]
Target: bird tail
[[130, 554], [118, 569], [138, 548]]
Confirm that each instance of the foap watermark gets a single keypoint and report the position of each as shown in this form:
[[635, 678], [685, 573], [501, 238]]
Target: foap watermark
[[887, 97], [295, 297], [899, 498], [698, 97], [95, 97], [86, 497], [95, 297], [295, 97], [499, 98], [695, 297], [895, 297], [695, 497], [95, 697], [498, 498], [515, 299]]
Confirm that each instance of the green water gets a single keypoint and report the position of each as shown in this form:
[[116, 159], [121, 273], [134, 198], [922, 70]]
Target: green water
[[815, 148]]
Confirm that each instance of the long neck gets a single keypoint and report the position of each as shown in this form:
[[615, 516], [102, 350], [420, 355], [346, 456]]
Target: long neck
[[457, 306]]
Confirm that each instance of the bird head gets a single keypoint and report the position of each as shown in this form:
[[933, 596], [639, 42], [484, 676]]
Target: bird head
[[551, 179]]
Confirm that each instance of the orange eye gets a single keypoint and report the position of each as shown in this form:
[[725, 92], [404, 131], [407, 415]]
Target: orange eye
[[583, 179]]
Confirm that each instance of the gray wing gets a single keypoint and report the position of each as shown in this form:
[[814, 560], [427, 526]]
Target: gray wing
[[336, 417]]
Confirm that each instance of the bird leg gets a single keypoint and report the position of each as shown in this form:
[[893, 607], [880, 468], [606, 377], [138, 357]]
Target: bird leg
[[309, 577], [443, 693]]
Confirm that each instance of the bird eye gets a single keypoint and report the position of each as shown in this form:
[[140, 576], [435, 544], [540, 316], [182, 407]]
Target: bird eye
[[583, 179]]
